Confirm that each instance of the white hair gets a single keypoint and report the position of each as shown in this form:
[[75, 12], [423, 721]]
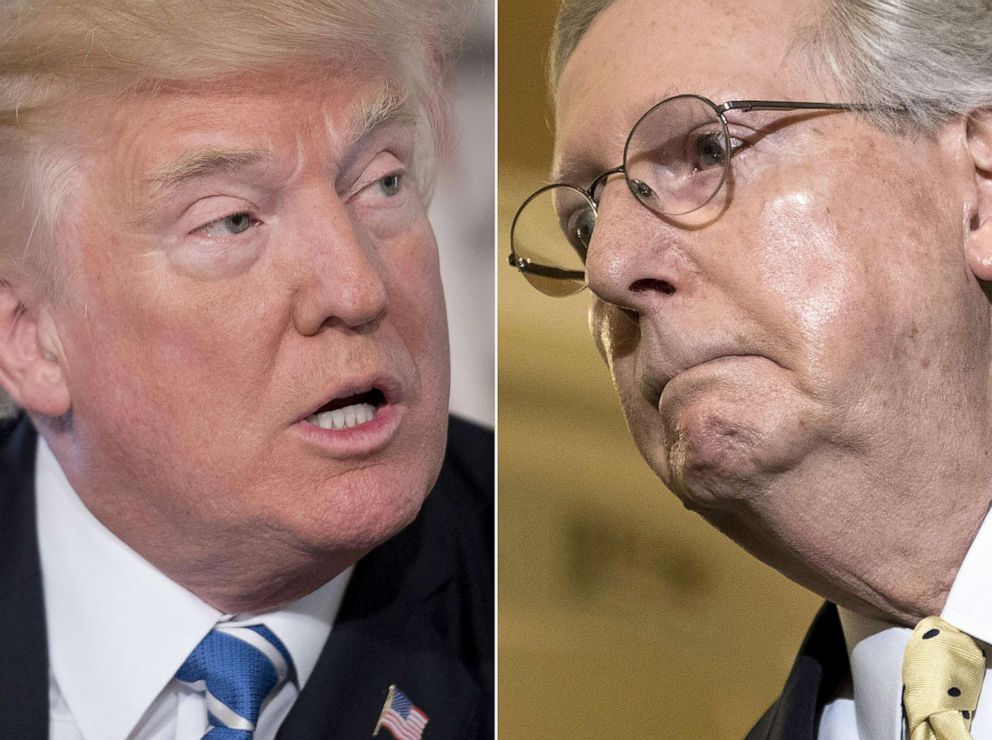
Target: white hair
[[932, 60]]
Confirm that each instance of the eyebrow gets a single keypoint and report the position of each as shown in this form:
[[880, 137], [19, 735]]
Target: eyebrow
[[204, 163], [576, 169], [570, 169], [388, 105]]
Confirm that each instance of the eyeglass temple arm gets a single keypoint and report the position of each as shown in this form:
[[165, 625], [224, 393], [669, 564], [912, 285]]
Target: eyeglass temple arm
[[525, 265], [750, 105]]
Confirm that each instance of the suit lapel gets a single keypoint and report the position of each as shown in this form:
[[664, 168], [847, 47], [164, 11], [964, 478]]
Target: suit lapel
[[23, 642], [344, 697], [817, 672], [400, 623]]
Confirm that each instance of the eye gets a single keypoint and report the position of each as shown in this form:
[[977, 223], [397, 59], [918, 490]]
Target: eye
[[391, 184], [579, 228], [236, 223], [709, 149], [640, 189]]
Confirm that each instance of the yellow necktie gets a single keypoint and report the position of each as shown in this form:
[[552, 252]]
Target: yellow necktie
[[942, 674]]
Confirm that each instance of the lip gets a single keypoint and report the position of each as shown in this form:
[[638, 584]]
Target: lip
[[653, 385], [364, 439]]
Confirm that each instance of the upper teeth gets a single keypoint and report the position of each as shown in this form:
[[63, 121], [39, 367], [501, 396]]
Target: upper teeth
[[344, 418]]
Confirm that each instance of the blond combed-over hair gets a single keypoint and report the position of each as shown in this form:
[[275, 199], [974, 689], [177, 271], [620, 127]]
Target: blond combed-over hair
[[59, 55]]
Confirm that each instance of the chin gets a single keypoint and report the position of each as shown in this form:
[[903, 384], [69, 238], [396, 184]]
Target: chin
[[720, 448], [350, 512], [359, 504], [367, 516]]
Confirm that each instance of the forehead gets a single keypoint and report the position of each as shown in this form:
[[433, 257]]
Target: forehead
[[638, 52], [166, 130]]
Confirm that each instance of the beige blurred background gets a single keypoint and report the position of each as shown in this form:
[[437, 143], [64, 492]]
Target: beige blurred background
[[619, 611]]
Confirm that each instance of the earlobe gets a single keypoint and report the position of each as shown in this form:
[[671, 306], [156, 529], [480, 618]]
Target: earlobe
[[980, 255], [978, 137], [30, 357]]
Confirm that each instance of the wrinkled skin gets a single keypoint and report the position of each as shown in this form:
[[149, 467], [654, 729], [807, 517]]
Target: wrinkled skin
[[807, 363], [189, 341]]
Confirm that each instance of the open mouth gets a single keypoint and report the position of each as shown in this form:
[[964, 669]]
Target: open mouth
[[348, 411]]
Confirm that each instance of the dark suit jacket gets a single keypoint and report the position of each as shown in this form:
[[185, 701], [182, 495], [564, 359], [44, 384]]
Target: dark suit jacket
[[418, 611], [816, 675]]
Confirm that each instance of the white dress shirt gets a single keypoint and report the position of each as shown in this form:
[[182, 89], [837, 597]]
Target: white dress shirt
[[874, 712], [118, 630]]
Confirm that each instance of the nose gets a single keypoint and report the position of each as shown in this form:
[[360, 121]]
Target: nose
[[633, 261], [341, 279]]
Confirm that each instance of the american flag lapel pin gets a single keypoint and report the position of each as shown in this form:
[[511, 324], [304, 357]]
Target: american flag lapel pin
[[399, 715]]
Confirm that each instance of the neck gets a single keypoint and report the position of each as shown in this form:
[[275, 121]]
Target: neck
[[226, 569], [892, 558]]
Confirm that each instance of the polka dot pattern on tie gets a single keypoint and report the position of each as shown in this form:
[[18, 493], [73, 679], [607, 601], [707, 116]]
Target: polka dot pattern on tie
[[942, 674]]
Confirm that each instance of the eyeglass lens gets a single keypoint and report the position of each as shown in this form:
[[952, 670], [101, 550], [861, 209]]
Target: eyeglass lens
[[551, 232], [677, 155], [676, 159]]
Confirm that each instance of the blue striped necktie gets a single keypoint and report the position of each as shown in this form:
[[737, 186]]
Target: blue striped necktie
[[236, 668]]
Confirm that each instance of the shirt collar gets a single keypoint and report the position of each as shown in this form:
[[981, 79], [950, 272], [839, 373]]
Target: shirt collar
[[876, 648], [304, 625], [969, 603], [115, 620]]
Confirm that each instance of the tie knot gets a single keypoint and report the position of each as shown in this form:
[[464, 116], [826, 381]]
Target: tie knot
[[236, 668], [942, 673]]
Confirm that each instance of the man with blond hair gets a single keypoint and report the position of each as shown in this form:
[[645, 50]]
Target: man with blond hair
[[222, 326], [784, 213]]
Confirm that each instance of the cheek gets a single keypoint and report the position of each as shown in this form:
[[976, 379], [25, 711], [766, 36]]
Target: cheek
[[152, 340], [800, 262], [864, 280], [416, 302], [416, 295], [818, 294]]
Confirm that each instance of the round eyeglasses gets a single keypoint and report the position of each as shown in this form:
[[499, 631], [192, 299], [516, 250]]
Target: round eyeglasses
[[675, 161]]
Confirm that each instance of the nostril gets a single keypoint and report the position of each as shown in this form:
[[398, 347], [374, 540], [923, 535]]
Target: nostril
[[652, 285]]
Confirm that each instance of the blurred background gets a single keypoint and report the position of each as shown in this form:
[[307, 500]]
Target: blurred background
[[618, 609], [462, 215]]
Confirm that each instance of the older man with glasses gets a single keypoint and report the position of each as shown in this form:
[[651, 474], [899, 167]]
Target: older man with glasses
[[791, 290]]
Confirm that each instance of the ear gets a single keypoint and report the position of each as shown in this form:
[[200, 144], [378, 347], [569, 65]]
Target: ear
[[978, 139], [31, 368]]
